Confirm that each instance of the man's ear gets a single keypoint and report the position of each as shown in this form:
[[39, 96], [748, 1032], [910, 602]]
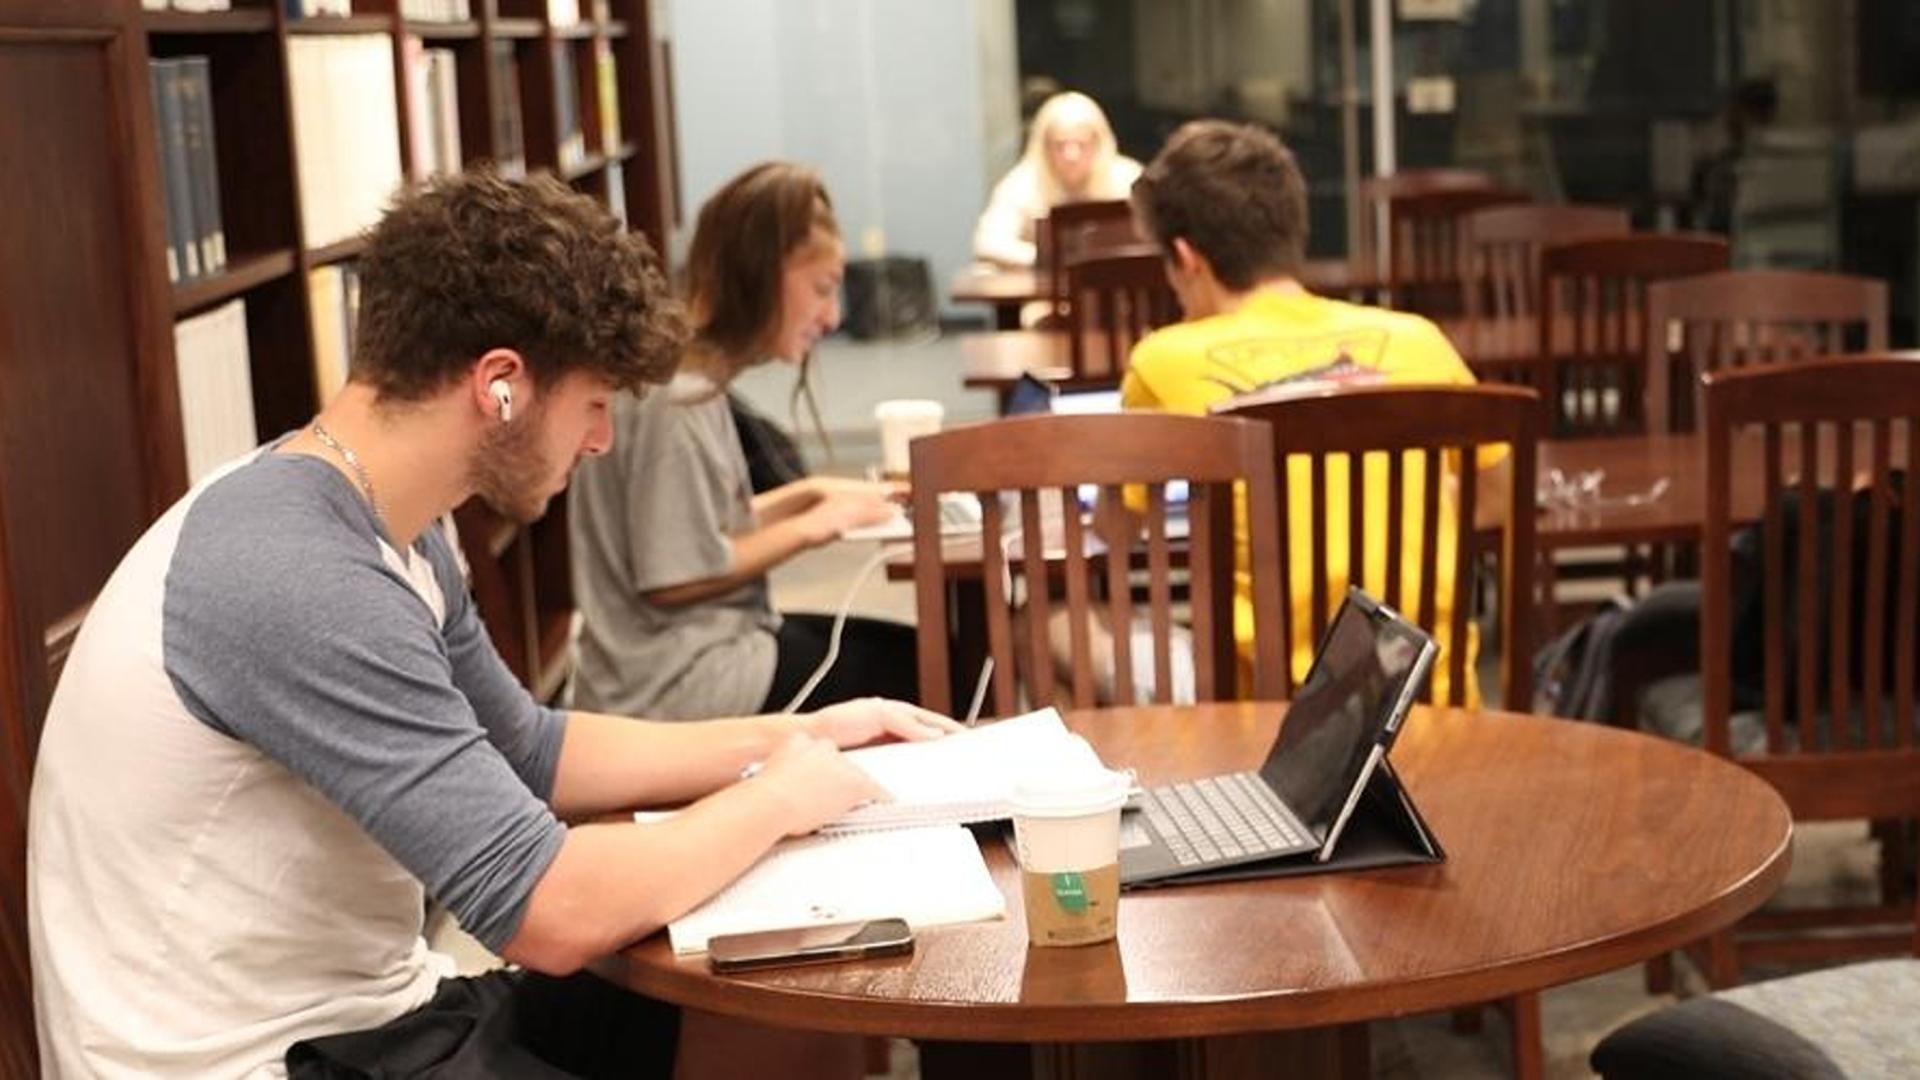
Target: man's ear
[[498, 369], [1189, 260]]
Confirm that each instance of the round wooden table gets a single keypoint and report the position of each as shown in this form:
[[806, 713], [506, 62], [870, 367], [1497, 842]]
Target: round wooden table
[[1572, 849]]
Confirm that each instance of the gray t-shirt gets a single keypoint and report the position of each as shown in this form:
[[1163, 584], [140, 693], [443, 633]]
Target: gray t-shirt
[[660, 511]]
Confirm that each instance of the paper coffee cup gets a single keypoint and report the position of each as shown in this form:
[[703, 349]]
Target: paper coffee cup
[[1066, 828], [901, 422]]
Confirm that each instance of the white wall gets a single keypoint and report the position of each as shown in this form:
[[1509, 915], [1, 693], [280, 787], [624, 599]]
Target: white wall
[[885, 97]]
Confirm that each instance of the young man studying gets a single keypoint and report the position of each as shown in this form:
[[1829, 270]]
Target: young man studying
[[1227, 206], [283, 727]]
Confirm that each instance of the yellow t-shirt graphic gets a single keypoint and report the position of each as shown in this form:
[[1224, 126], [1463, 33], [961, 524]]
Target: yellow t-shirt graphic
[[1289, 338]]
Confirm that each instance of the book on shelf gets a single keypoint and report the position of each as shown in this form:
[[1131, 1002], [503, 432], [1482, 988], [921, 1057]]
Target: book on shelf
[[216, 387], [170, 141], [509, 139], [617, 192], [346, 131], [432, 108], [333, 298], [930, 876], [203, 167], [308, 9], [607, 82], [566, 80], [958, 779], [435, 10], [189, 174]]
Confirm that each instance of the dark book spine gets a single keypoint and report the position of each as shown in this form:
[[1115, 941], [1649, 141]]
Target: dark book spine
[[203, 164], [508, 141], [179, 180], [157, 90]]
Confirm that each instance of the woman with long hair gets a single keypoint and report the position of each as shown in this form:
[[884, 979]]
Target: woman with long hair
[[1071, 156], [671, 547]]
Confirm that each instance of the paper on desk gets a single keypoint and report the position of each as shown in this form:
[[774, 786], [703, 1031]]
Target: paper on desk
[[930, 876], [954, 780]]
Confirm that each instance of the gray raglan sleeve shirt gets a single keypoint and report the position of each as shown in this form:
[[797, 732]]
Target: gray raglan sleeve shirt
[[284, 627]]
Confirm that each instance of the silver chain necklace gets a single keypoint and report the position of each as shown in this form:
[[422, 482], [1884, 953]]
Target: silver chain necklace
[[353, 462]]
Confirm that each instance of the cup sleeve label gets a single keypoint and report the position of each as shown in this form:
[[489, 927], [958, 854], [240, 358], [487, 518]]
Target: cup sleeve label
[[1070, 891]]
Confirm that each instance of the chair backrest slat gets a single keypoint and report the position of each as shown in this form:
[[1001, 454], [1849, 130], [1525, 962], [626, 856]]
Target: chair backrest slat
[[1038, 465], [1079, 634], [1033, 559], [1430, 503], [1120, 610], [998, 582]]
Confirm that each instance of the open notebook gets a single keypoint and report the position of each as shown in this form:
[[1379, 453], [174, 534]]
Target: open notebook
[[956, 780], [930, 876]]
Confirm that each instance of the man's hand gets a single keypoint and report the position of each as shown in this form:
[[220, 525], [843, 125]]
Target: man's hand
[[856, 723], [815, 782]]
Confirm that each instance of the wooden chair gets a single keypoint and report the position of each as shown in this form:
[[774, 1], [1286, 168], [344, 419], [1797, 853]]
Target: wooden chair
[[1593, 324], [1400, 428], [1377, 194], [1114, 300], [1742, 317], [1426, 271], [1845, 750], [1042, 460], [1503, 253], [1426, 431], [1074, 231]]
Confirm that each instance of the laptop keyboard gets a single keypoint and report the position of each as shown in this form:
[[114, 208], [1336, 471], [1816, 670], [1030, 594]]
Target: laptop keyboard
[[1220, 817]]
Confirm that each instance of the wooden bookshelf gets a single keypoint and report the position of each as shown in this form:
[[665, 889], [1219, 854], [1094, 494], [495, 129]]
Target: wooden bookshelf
[[242, 275], [94, 451]]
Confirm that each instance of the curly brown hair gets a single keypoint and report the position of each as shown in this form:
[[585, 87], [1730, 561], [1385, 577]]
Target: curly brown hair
[[476, 261], [1234, 192], [740, 246]]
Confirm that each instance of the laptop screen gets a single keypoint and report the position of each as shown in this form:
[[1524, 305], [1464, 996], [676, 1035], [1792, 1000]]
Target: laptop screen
[[1343, 709]]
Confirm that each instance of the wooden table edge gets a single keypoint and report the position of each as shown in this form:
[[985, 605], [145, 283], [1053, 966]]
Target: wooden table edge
[[689, 985]]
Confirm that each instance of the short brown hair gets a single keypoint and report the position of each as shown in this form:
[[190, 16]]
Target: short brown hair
[[1234, 192], [475, 261], [740, 247]]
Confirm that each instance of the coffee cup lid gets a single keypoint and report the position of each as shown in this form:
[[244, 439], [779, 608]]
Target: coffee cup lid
[[1071, 783]]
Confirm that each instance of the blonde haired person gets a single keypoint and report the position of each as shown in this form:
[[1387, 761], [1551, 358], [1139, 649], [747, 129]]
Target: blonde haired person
[[1071, 157]]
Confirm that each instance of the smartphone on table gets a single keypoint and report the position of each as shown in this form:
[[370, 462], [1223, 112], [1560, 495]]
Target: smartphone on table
[[810, 944]]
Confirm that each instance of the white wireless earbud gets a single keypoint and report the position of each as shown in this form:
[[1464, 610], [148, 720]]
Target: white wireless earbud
[[502, 393]]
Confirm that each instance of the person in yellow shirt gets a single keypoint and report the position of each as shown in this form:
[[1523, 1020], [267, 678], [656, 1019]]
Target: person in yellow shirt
[[1227, 206]]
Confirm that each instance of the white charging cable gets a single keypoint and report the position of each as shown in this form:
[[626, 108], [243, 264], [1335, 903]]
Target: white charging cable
[[839, 626]]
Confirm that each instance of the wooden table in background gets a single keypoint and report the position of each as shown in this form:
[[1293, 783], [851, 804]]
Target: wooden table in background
[[1573, 849]]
